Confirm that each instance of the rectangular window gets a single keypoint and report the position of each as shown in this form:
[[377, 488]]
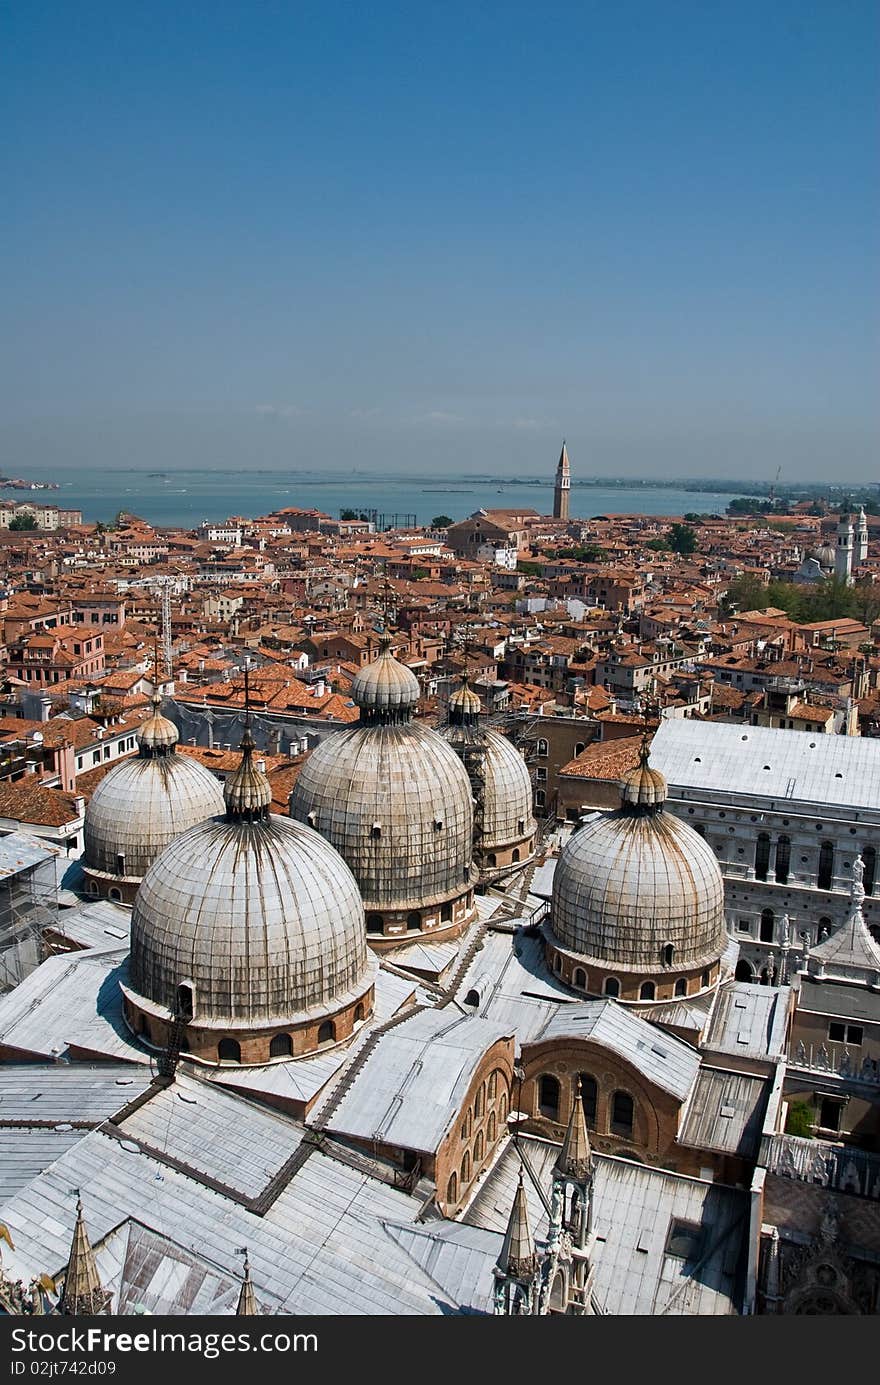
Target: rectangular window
[[840, 1033], [829, 1113], [541, 776], [744, 925]]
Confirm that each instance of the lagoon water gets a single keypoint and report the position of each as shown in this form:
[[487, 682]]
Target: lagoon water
[[187, 498]]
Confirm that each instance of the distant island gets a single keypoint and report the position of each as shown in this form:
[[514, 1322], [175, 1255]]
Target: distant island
[[17, 483]]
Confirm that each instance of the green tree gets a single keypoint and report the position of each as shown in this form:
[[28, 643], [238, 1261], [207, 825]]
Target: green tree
[[800, 1119], [419, 574], [25, 521], [530, 569], [658, 545], [441, 522], [693, 518], [682, 539], [348, 514]]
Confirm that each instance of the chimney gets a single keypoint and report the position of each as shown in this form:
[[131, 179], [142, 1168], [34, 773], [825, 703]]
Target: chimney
[[79, 805]]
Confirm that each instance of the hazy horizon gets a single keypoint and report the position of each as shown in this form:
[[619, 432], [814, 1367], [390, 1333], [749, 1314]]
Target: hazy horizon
[[436, 242]]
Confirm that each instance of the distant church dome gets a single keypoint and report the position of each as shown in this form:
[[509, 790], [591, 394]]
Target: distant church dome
[[252, 928], [141, 805], [638, 901], [824, 556], [395, 801], [504, 826]]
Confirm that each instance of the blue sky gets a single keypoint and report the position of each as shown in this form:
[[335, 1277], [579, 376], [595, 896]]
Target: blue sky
[[440, 237]]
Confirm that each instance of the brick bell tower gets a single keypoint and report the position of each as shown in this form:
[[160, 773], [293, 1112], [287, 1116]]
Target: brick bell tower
[[562, 486]]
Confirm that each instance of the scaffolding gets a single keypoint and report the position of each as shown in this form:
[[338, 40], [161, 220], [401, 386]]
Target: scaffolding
[[28, 905]]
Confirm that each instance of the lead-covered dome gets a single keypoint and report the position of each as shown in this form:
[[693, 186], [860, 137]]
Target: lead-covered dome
[[395, 801], [639, 892], [141, 805], [250, 923], [504, 826], [385, 686]]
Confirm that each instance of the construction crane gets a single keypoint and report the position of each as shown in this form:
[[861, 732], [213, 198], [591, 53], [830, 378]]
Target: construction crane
[[772, 492]]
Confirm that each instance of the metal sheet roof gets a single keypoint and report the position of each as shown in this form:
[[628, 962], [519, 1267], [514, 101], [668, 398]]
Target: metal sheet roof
[[411, 1086], [768, 762], [323, 1247], [749, 1021], [67, 1092], [98, 924], [20, 851], [71, 1000], [725, 1112], [666, 1061], [634, 1209], [215, 1133]]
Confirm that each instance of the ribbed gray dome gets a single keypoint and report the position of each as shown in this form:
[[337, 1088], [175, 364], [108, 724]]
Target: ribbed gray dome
[[506, 789], [262, 918], [157, 732], [141, 805], [395, 801], [824, 555], [629, 883], [386, 685]]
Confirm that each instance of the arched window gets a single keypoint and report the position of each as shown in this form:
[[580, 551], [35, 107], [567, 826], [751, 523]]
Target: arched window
[[515, 855], [579, 978], [767, 925], [478, 1148], [493, 1085], [647, 990], [452, 1189], [228, 1051], [557, 963], [185, 1002], [540, 798], [589, 1096], [743, 971], [492, 1128], [480, 1101], [869, 861], [825, 877], [472, 997], [413, 920], [622, 1112], [446, 913], [824, 927], [612, 986], [783, 860], [492, 858], [762, 855], [114, 894], [502, 1108], [327, 1032], [375, 923], [579, 749], [548, 1096], [359, 1014], [681, 986], [281, 1046], [93, 887], [543, 747], [465, 1170], [667, 953]]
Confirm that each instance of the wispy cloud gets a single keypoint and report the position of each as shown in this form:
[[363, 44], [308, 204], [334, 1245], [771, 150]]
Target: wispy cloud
[[440, 416], [366, 413], [280, 410]]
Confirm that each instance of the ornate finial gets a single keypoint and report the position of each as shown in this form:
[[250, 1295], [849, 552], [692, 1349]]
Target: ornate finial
[[247, 1303], [247, 792], [517, 1258], [83, 1293]]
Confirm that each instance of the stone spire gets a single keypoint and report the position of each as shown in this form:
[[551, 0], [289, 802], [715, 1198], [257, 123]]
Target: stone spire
[[576, 1158], [83, 1293], [562, 487], [518, 1258], [247, 1303], [517, 1267]]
